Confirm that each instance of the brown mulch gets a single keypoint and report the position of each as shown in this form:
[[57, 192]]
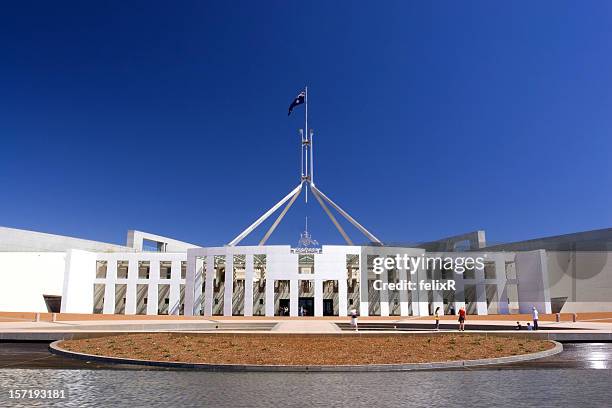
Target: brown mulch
[[281, 349]]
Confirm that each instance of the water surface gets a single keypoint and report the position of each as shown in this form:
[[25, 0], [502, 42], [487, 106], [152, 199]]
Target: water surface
[[580, 377]]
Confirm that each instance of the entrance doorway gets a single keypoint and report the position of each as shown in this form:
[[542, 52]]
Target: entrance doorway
[[306, 306], [53, 303], [282, 294], [283, 307], [328, 307]]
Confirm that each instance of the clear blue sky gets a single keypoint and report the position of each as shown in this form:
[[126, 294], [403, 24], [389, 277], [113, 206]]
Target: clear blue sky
[[431, 118]]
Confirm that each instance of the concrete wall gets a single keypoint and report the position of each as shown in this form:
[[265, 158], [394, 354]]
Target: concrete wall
[[18, 240], [580, 281], [77, 293], [26, 276], [533, 286], [471, 240], [135, 240], [596, 240]]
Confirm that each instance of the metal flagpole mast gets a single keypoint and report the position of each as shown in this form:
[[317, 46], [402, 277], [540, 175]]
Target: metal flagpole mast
[[311, 158], [302, 154], [306, 134]]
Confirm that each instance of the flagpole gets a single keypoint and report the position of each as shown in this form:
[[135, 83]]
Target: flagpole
[[311, 158], [306, 111], [306, 134], [301, 154]]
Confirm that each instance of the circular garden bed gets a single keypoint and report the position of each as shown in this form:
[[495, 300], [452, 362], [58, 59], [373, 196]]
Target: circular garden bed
[[302, 349]]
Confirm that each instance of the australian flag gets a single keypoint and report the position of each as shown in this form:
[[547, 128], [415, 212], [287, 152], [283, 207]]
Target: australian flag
[[297, 101]]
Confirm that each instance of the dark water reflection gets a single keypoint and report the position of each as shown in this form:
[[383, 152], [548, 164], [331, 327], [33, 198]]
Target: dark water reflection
[[540, 388]]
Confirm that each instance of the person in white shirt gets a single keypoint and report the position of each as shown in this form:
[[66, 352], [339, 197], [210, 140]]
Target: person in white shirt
[[354, 319], [534, 315]]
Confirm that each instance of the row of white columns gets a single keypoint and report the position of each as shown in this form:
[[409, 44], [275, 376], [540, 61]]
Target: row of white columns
[[194, 299], [132, 283], [419, 300], [248, 290], [270, 298]]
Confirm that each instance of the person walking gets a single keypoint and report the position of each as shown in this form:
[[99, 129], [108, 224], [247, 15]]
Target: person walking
[[462, 319], [535, 315], [437, 317], [354, 319]]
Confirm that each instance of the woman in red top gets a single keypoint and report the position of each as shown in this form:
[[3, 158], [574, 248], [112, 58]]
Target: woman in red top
[[462, 319]]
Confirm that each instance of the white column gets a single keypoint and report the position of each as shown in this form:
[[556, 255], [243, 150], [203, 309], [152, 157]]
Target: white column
[[481, 295], [318, 297], [248, 286], [384, 294], [109, 289], [175, 288], [421, 295], [438, 301], [293, 297], [269, 301], [532, 276], [79, 281], [130, 294], [500, 281], [459, 292], [403, 294], [208, 285], [193, 286], [342, 297], [198, 287], [414, 295], [364, 304], [152, 292], [229, 285]]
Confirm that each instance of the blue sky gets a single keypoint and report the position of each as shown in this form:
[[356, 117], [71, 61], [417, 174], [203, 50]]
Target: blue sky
[[431, 118]]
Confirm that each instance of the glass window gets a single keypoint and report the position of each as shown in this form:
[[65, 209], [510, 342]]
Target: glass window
[[306, 263], [122, 269], [144, 267], [165, 270], [101, 269], [489, 270]]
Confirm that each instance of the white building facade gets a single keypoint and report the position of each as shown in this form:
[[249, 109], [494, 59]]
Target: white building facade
[[278, 280], [254, 281], [264, 280]]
